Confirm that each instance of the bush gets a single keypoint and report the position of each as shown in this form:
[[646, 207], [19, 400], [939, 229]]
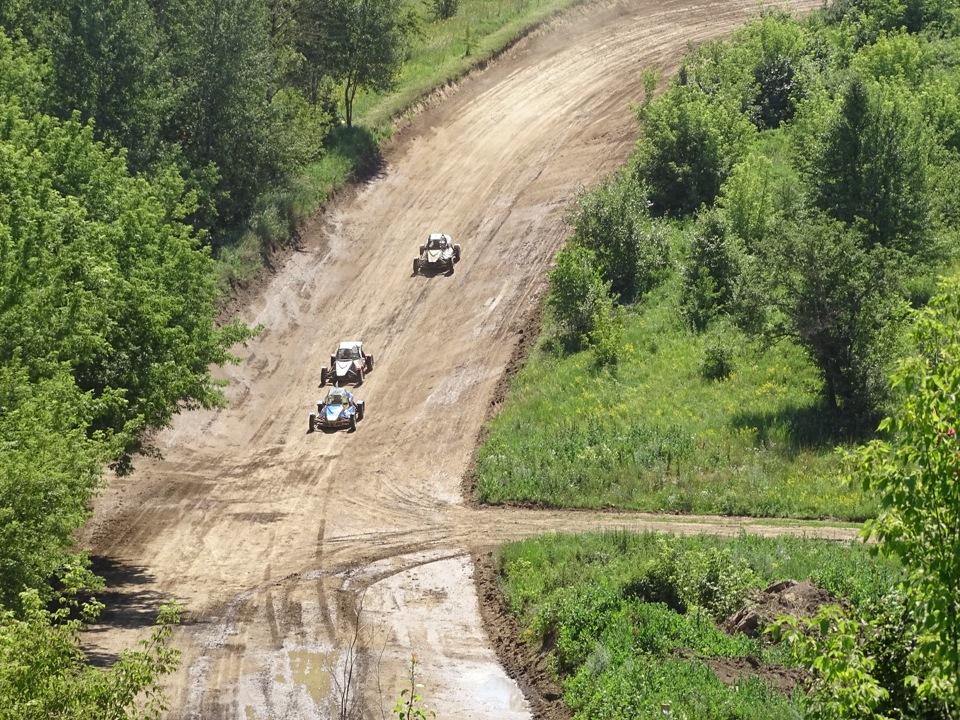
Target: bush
[[633, 252], [445, 9], [578, 295], [684, 578], [717, 363], [711, 272], [690, 144], [607, 336]]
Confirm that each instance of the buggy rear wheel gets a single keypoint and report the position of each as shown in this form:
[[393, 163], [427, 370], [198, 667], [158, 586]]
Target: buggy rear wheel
[[353, 423]]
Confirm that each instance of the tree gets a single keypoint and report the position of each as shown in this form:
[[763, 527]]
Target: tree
[[689, 145], [712, 270], [774, 47], [49, 471], [361, 44], [915, 469], [104, 58], [222, 120], [632, 251], [870, 169], [99, 276], [842, 303], [44, 673], [876, 16], [23, 76], [748, 201]]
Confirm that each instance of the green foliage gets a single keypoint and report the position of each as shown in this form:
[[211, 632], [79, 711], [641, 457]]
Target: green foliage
[[889, 639], [102, 65], [45, 674], [49, 470], [595, 602], [717, 363], [748, 200], [360, 44], [410, 704], [914, 470], [829, 646], [711, 272], [686, 579], [23, 76], [444, 9], [578, 295], [872, 17], [776, 48], [632, 251], [871, 168], [689, 145], [606, 338], [841, 302], [98, 275], [893, 57]]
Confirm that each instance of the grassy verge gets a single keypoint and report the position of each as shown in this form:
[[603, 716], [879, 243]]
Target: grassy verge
[[445, 51], [655, 435], [629, 620]]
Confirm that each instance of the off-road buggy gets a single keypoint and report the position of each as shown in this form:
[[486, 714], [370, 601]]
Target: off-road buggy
[[438, 253], [339, 409], [348, 364]]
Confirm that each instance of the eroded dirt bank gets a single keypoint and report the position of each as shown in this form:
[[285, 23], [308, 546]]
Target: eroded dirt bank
[[271, 536]]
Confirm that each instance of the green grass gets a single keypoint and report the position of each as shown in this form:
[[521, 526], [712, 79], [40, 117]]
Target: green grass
[[656, 436], [626, 617], [534, 570]]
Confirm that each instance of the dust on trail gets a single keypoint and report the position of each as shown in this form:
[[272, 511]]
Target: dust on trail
[[271, 536]]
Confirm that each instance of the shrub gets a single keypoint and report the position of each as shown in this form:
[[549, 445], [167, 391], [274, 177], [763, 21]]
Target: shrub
[[578, 295], [690, 144], [633, 251], [711, 272], [717, 363], [444, 9]]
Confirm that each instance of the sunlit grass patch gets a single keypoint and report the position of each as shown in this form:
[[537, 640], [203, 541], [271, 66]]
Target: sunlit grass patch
[[655, 435]]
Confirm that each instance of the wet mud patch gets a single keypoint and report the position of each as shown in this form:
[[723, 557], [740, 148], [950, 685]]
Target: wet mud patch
[[527, 666]]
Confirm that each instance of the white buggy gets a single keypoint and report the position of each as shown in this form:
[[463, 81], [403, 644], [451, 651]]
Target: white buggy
[[349, 364], [438, 253]]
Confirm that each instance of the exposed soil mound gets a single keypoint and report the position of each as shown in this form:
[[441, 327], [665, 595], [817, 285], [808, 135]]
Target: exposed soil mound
[[787, 597], [733, 671]]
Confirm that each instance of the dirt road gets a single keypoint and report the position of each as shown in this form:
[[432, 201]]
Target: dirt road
[[270, 536]]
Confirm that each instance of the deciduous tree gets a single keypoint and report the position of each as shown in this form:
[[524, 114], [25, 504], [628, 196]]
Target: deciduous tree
[[361, 44], [915, 470]]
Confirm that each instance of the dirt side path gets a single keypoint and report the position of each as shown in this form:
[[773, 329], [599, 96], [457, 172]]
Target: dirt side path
[[271, 536]]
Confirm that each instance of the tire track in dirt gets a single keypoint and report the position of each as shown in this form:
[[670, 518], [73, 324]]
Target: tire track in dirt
[[270, 535]]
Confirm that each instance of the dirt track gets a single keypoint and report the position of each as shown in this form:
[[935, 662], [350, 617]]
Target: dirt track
[[270, 535]]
